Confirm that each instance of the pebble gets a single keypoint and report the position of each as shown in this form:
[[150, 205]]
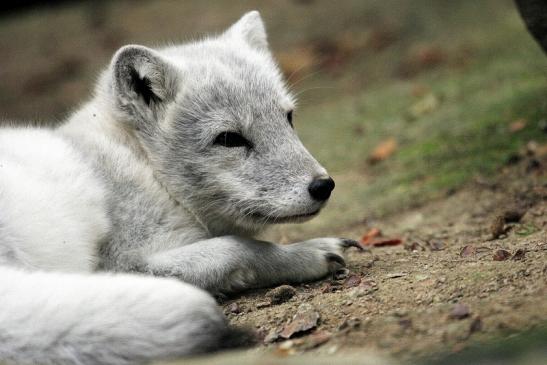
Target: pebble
[[281, 294], [460, 311]]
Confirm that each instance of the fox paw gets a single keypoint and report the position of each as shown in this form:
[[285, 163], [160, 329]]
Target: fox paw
[[328, 254]]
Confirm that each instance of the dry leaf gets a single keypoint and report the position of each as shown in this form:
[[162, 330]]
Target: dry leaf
[[386, 242], [383, 151], [370, 235], [305, 319], [468, 251]]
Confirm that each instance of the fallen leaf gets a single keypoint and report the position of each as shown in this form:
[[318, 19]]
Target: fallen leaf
[[305, 319], [517, 125], [370, 235], [468, 250], [383, 151], [372, 238], [281, 294], [386, 242], [501, 255]]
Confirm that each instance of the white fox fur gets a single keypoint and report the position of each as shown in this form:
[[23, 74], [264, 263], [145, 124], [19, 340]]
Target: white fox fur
[[180, 157]]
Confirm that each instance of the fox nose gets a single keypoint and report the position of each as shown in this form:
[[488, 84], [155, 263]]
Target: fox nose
[[320, 189]]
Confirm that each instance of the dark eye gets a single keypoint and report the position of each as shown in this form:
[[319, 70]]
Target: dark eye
[[289, 118], [232, 139]]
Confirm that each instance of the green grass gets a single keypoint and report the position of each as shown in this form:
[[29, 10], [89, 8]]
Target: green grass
[[466, 135]]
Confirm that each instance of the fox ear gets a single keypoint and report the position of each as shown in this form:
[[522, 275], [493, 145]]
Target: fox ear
[[251, 29], [143, 82]]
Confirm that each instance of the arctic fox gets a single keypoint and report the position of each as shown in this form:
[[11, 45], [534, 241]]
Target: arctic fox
[[182, 155]]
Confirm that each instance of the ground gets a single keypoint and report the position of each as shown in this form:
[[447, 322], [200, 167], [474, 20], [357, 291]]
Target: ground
[[431, 116], [404, 300]]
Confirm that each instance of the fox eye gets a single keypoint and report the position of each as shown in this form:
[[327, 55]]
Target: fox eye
[[232, 139], [289, 118]]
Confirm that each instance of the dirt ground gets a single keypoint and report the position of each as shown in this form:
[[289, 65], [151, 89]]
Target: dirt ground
[[455, 88], [449, 284]]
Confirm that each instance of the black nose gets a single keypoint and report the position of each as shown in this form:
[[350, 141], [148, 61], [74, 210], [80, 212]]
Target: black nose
[[320, 189]]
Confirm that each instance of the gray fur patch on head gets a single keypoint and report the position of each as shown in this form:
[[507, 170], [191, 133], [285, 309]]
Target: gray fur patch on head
[[229, 84]]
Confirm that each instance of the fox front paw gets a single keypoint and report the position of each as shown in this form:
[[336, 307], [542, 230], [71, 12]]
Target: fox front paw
[[327, 254]]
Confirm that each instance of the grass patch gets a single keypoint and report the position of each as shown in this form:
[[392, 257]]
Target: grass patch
[[465, 135]]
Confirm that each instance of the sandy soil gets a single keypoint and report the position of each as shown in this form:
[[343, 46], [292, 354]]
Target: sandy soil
[[450, 283]]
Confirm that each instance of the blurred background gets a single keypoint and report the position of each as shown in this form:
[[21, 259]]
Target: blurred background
[[404, 102], [432, 86]]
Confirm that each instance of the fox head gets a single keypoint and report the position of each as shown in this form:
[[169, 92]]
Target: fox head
[[216, 121]]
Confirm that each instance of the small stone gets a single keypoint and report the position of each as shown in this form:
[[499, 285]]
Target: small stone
[[501, 255], [281, 294], [460, 311], [352, 281]]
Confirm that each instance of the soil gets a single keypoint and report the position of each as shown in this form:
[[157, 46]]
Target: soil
[[446, 286]]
